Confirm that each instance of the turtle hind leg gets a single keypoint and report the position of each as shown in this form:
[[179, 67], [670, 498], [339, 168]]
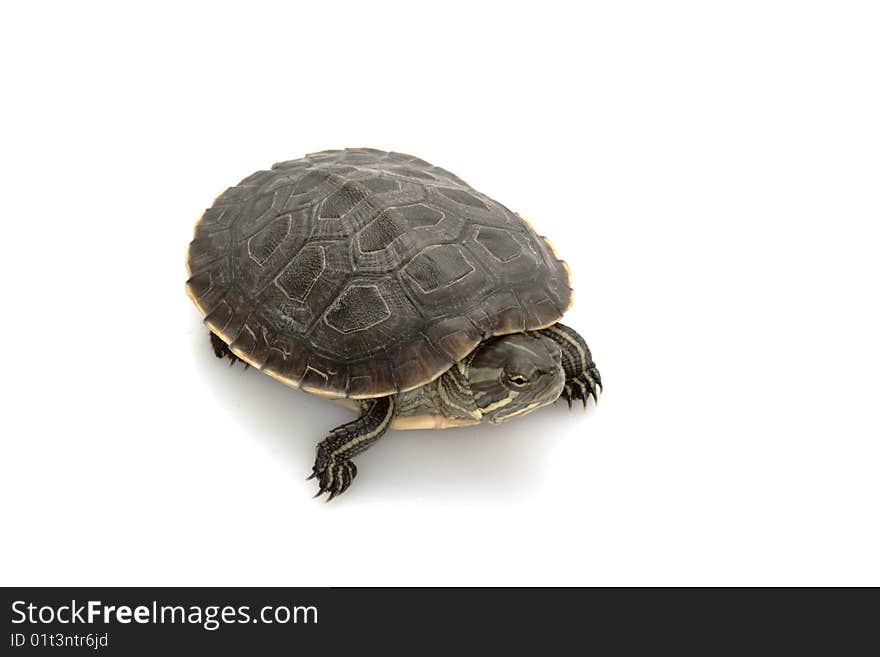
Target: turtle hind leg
[[333, 467], [222, 350], [582, 378]]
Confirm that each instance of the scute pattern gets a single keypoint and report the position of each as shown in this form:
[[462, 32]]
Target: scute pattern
[[263, 244], [342, 201], [439, 266], [358, 307], [298, 278], [418, 215], [381, 232], [360, 272], [499, 243], [461, 196]]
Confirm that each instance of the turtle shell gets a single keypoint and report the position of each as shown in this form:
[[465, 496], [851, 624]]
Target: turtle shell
[[360, 273]]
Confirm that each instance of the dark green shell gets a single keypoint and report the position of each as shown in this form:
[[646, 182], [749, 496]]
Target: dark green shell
[[361, 273]]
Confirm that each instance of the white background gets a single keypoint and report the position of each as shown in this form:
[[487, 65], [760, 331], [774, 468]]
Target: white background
[[709, 170]]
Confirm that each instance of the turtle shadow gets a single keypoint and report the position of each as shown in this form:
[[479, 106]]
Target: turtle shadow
[[493, 464], [489, 463]]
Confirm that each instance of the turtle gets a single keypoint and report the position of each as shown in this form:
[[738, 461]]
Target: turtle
[[380, 280]]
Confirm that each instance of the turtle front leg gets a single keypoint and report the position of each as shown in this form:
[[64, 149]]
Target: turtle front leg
[[333, 466], [582, 379]]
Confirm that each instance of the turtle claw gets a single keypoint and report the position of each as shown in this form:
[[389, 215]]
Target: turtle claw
[[583, 387], [566, 395], [595, 378], [222, 350], [333, 477]]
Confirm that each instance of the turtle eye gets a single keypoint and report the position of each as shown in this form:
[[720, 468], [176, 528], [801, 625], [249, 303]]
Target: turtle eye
[[517, 379]]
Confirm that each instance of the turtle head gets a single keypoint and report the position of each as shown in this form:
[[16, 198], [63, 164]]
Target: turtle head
[[514, 374]]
